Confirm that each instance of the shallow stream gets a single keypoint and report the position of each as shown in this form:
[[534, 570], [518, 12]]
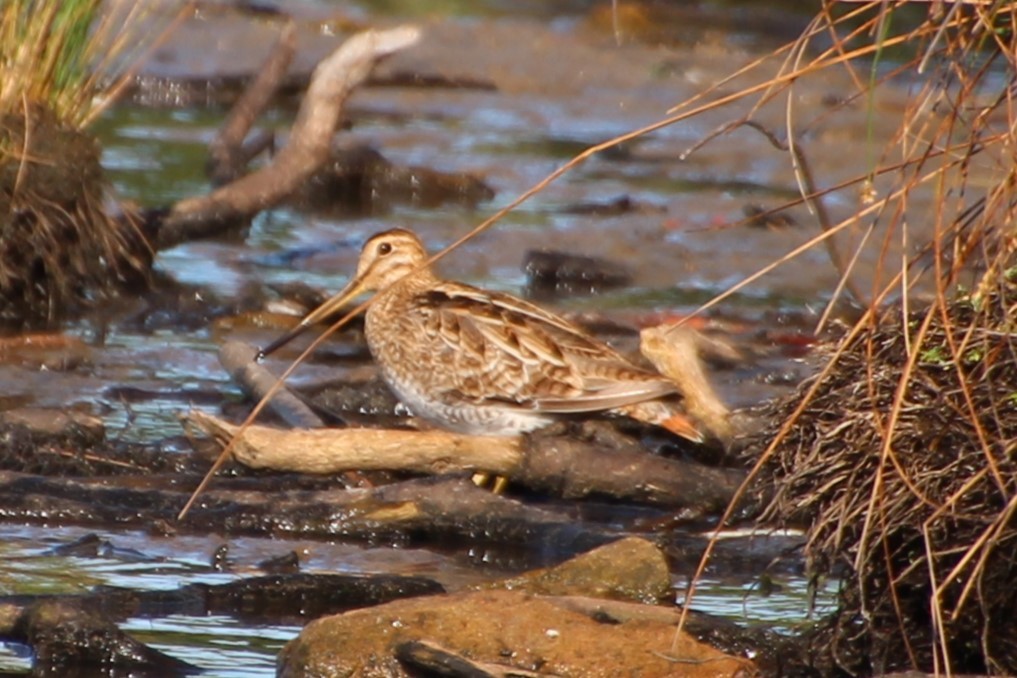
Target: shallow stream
[[562, 82]]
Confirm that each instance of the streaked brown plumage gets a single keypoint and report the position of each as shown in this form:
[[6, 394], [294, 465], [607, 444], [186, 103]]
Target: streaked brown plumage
[[484, 362]]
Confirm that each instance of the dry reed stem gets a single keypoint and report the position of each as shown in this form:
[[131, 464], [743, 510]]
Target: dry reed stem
[[959, 233], [925, 151]]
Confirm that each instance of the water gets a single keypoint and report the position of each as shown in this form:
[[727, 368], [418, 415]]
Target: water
[[572, 87], [226, 647]]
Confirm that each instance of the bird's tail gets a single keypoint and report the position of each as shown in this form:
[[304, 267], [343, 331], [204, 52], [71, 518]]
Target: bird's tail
[[666, 416]]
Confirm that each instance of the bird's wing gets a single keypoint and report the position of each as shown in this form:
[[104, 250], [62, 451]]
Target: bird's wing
[[611, 396], [515, 353]]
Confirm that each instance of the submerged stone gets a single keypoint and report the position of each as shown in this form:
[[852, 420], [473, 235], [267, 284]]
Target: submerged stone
[[630, 568]]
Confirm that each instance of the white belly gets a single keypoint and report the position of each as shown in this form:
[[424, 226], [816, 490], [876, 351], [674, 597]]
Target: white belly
[[464, 417]]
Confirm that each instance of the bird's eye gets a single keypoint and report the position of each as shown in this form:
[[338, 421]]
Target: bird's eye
[[384, 248]]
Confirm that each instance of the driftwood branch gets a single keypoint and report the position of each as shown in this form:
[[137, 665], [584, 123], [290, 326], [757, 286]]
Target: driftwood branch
[[557, 465], [323, 451], [227, 153], [239, 360], [308, 148]]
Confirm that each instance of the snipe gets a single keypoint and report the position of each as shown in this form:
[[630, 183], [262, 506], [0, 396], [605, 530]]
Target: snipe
[[484, 362]]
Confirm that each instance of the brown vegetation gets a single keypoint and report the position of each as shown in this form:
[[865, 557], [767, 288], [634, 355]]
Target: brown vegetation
[[908, 485], [59, 249], [900, 454]]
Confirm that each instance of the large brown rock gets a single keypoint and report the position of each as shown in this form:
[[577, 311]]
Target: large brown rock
[[508, 628], [525, 627]]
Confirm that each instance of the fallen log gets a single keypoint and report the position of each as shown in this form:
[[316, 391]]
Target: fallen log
[[324, 451], [560, 465], [308, 149], [442, 508], [239, 359]]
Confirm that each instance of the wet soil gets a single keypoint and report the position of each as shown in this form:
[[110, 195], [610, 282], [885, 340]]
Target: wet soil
[[633, 237]]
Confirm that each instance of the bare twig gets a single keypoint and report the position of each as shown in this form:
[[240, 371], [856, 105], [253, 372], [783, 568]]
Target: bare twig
[[561, 466], [308, 148], [257, 381], [324, 451], [226, 154]]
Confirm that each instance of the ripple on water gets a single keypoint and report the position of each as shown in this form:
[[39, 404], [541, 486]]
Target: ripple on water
[[223, 646]]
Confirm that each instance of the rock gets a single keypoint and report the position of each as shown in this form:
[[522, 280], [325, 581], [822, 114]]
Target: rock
[[67, 638], [551, 273], [523, 629], [54, 422], [630, 568], [512, 629]]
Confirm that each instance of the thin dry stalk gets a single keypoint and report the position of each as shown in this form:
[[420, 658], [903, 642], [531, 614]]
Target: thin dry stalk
[[907, 475]]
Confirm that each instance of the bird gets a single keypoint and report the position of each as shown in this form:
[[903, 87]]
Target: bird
[[481, 362]]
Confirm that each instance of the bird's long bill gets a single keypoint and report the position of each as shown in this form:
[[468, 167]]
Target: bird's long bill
[[327, 308]]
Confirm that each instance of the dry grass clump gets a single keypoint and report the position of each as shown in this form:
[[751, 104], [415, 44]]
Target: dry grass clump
[[910, 485], [901, 454], [59, 250]]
